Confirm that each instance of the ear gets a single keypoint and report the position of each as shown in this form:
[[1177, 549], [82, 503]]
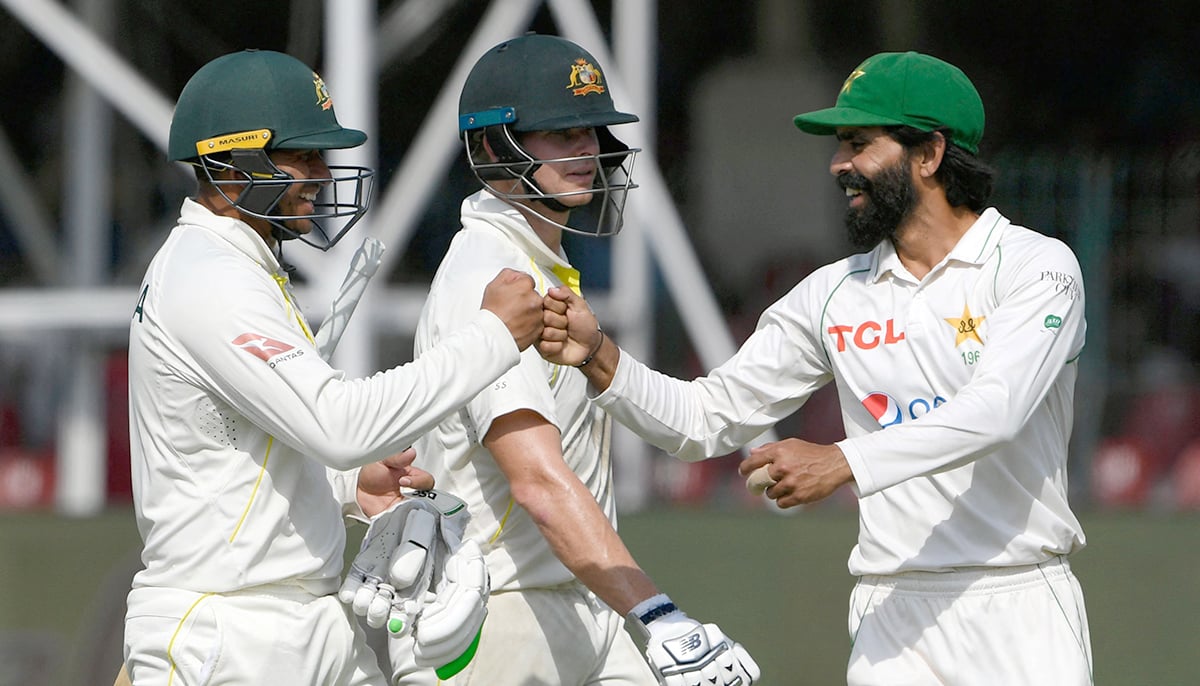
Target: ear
[[487, 148], [929, 155]]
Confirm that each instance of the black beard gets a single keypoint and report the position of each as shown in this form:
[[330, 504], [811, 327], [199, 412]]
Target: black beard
[[891, 198]]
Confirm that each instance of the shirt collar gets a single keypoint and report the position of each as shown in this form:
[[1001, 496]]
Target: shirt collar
[[975, 247], [485, 209], [236, 232]]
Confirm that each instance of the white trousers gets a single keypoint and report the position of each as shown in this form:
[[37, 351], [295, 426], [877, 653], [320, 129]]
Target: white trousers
[[267, 635], [994, 626], [559, 636]]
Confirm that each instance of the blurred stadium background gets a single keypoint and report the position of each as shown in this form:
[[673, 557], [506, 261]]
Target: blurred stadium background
[[1093, 121]]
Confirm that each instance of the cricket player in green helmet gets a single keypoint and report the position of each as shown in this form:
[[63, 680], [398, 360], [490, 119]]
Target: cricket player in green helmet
[[247, 448], [530, 454]]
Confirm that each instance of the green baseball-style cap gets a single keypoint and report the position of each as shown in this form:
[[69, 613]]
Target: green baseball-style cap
[[253, 91], [904, 89]]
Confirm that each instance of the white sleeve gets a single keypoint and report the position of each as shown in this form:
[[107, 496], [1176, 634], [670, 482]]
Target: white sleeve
[[1036, 329], [769, 378], [297, 397], [345, 490]]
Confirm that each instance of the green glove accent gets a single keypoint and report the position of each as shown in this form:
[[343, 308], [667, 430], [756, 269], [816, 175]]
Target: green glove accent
[[459, 663]]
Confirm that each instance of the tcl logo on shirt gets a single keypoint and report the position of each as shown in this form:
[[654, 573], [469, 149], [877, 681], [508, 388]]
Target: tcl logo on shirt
[[866, 336], [260, 346]]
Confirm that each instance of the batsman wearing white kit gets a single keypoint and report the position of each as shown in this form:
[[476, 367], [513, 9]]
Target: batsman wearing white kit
[[247, 447], [953, 342], [530, 453]]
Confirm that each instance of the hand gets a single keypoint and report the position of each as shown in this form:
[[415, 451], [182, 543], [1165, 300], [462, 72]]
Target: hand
[[803, 472], [571, 331], [380, 483], [682, 652], [511, 297]]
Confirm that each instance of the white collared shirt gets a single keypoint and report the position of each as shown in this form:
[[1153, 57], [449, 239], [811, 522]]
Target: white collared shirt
[[495, 236], [235, 418], [956, 395]]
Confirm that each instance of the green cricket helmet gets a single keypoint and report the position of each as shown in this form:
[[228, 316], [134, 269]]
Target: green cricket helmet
[[545, 83], [237, 109]]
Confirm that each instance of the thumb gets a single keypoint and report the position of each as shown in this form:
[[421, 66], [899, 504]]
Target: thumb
[[401, 460]]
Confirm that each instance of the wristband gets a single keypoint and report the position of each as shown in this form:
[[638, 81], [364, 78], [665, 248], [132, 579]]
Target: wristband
[[594, 350], [653, 608]]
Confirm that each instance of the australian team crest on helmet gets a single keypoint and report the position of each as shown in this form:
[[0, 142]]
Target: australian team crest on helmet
[[585, 78], [323, 98]]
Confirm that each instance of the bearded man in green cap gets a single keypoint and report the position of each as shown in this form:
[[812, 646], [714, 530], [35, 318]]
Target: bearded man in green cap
[[954, 341], [247, 448]]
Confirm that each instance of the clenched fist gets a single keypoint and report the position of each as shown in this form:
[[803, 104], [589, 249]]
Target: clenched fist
[[511, 297]]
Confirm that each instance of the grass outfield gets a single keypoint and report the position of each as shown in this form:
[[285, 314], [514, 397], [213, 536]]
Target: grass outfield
[[778, 584]]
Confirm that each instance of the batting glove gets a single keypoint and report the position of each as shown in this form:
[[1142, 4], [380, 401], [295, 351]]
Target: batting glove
[[684, 652], [416, 574], [446, 632]]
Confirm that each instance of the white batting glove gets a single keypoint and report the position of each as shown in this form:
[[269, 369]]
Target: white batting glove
[[417, 575], [392, 557], [684, 652], [447, 631]]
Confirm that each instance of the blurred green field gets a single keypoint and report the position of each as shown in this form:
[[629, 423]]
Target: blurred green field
[[777, 583]]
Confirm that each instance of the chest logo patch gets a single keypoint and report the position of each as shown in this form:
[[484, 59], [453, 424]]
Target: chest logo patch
[[866, 335], [966, 327], [883, 408]]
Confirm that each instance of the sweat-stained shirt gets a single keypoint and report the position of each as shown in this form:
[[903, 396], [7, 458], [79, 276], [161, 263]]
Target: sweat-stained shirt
[[495, 236]]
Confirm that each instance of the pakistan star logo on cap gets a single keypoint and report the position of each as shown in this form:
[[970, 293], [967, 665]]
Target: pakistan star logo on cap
[[323, 98], [850, 80], [585, 78]]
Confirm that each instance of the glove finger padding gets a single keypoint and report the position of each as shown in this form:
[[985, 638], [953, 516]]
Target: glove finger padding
[[448, 629], [416, 574], [361, 585], [392, 572]]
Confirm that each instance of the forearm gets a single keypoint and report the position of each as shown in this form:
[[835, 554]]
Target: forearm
[[584, 540], [707, 417], [528, 450]]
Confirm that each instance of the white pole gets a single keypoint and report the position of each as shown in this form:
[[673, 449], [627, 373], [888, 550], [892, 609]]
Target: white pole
[[655, 208], [91, 58], [351, 73], [26, 216], [634, 31], [81, 456], [437, 141]]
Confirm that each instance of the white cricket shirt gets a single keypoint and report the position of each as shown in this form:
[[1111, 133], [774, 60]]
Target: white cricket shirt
[[234, 417], [495, 236], [955, 390]]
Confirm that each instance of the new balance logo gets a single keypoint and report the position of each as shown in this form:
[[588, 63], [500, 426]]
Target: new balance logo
[[690, 643], [260, 346]]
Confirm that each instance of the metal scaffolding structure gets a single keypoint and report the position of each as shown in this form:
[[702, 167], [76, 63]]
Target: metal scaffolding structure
[[81, 298]]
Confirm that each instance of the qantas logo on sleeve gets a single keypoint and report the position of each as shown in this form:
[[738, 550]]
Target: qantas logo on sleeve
[[260, 346]]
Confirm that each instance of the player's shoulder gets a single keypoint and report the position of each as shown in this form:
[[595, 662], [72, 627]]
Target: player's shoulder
[[813, 291], [475, 250], [829, 277], [473, 259], [1024, 246]]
